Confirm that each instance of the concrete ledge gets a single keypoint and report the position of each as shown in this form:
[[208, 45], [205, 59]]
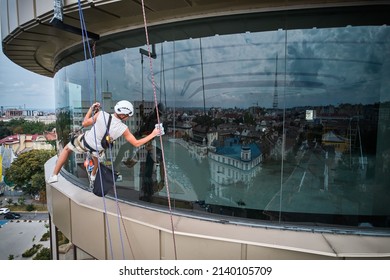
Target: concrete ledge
[[193, 233]]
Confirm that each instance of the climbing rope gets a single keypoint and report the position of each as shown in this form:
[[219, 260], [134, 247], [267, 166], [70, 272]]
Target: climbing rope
[[158, 121], [93, 61], [119, 213]]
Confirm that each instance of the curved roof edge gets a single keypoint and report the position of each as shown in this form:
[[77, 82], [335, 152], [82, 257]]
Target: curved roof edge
[[30, 40]]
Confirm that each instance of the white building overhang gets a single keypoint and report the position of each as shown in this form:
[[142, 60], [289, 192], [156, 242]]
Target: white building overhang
[[31, 41]]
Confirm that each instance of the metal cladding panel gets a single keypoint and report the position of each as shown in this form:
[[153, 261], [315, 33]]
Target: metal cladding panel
[[12, 15], [88, 230], [157, 5], [4, 20], [197, 248], [135, 241], [28, 11], [108, 18], [269, 253], [44, 6], [61, 212], [99, 13]]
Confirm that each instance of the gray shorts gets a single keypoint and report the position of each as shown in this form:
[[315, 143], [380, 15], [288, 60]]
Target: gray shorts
[[76, 144]]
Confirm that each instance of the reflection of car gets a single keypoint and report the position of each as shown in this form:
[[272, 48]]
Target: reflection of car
[[4, 210], [11, 216]]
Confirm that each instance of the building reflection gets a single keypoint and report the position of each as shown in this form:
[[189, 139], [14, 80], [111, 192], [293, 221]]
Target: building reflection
[[233, 166], [277, 136], [314, 160]]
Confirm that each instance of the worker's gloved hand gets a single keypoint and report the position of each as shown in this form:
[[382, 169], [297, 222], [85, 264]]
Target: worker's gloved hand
[[161, 128], [95, 107]]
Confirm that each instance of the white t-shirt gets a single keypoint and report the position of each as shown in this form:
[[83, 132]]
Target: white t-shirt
[[117, 128]]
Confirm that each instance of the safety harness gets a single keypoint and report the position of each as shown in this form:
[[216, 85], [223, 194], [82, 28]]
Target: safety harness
[[106, 138]]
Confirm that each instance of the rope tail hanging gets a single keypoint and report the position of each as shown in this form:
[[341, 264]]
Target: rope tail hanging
[[158, 120], [93, 61]]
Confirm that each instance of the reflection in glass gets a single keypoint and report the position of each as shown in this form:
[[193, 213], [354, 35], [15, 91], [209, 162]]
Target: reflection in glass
[[278, 125]]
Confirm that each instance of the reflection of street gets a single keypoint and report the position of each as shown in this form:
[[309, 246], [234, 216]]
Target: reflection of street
[[314, 187], [308, 184], [301, 180]]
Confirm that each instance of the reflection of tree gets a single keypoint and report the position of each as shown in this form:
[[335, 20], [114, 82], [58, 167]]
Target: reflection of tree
[[247, 118], [218, 122], [203, 120], [63, 124], [207, 121]]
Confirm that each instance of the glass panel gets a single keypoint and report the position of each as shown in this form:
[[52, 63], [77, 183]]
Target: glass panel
[[288, 126]]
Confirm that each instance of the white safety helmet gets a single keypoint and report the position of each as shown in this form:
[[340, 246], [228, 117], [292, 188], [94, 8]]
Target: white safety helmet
[[124, 107]]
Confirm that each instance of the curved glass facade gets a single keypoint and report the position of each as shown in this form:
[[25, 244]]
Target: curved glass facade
[[281, 125]]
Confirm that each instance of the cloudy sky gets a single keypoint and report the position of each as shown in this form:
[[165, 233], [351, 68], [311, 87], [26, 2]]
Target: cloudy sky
[[318, 66], [324, 66], [22, 88]]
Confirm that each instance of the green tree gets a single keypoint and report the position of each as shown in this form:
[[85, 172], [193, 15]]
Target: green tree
[[50, 126], [43, 254], [21, 200], [16, 126], [21, 126], [33, 127], [27, 170], [4, 130]]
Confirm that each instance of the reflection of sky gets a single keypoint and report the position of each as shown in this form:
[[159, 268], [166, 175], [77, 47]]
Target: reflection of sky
[[314, 67]]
